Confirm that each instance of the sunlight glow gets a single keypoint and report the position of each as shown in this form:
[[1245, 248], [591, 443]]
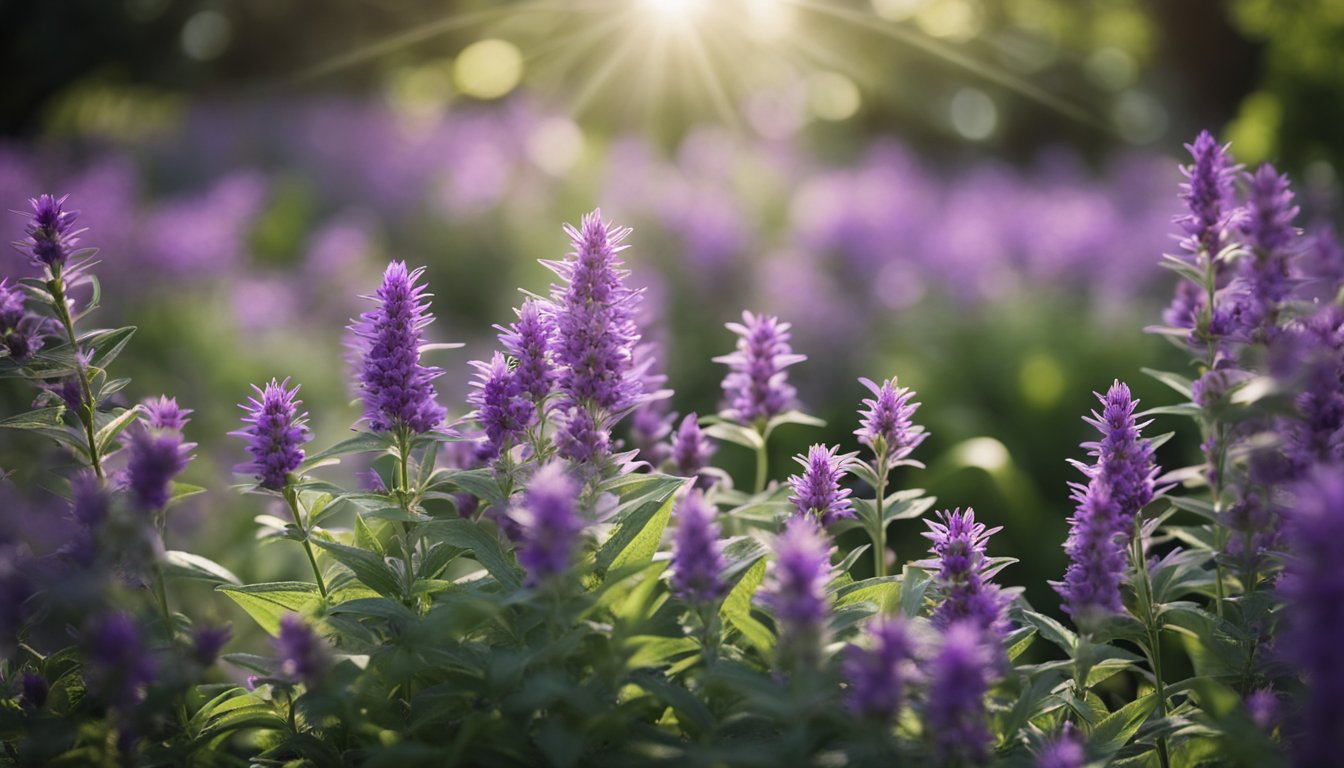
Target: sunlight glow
[[673, 10]]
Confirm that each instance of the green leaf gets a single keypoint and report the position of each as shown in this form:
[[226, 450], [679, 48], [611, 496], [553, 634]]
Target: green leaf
[[266, 603], [735, 433], [736, 609], [182, 491], [255, 716], [883, 591], [480, 483], [1181, 384], [362, 442], [365, 538], [1116, 729], [369, 567], [107, 344], [376, 607], [1053, 631], [484, 547], [1019, 641], [109, 431], [914, 583], [654, 651], [38, 419], [636, 537], [185, 565], [793, 417]]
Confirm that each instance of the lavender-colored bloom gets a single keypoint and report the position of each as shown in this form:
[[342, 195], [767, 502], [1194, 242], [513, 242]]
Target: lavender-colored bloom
[[398, 391], [1322, 265], [20, 330], [163, 412], [877, 673], [886, 426], [89, 503], [1208, 195], [757, 386], [549, 524], [817, 491], [1313, 588], [1064, 752], [1119, 484], [697, 553], [303, 656], [959, 677], [1318, 435], [1267, 225], [503, 407], [51, 234], [650, 424], [157, 453], [207, 641], [1186, 305], [691, 447], [595, 330], [580, 438], [121, 660], [34, 690], [959, 544], [1263, 708], [796, 587], [1124, 460], [1091, 585], [529, 341], [275, 433]]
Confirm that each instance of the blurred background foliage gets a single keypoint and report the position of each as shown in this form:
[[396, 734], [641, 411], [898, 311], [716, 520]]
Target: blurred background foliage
[[971, 195]]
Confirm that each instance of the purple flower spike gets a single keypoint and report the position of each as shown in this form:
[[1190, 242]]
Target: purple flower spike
[[959, 678], [1064, 752], [207, 641], [34, 691], [20, 330], [757, 387], [51, 234], [580, 438], [503, 408], [1313, 588], [122, 663], [158, 453], [1208, 195], [959, 545], [275, 433], [398, 391], [595, 331], [886, 426], [697, 553], [877, 674], [548, 524], [817, 491], [529, 341], [1119, 484], [1267, 225], [796, 587], [303, 656], [691, 447]]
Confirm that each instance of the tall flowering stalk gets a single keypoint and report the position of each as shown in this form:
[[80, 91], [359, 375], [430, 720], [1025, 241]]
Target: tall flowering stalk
[[503, 407], [756, 388], [595, 337], [1267, 230], [548, 524], [275, 431], [966, 594], [887, 428], [51, 243], [302, 654], [795, 589], [158, 453], [1312, 587], [1120, 482], [529, 340], [817, 492], [691, 450], [959, 678], [877, 672], [698, 565]]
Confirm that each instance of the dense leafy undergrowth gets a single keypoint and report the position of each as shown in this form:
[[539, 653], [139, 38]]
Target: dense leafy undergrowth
[[518, 587]]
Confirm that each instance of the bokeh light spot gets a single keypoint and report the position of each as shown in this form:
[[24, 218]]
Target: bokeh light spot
[[206, 35], [897, 10], [1111, 68], [555, 145], [955, 20], [973, 114], [983, 453], [488, 69], [832, 96], [1041, 380], [1139, 118]]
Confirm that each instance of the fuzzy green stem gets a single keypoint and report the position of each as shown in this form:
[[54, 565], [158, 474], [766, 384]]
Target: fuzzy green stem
[[404, 492], [880, 540], [88, 408], [762, 464], [292, 497]]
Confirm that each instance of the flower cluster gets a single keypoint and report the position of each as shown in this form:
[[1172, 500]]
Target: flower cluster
[[275, 432], [877, 674], [757, 385], [51, 234], [548, 524], [158, 453], [967, 595], [398, 391], [817, 492], [697, 554], [796, 588], [886, 426]]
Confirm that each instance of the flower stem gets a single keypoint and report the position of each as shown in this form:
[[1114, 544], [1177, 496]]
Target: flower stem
[[404, 491], [1149, 618], [880, 540], [292, 496], [88, 408], [762, 464]]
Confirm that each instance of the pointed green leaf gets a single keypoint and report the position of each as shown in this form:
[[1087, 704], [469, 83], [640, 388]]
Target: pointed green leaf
[[266, 603]]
